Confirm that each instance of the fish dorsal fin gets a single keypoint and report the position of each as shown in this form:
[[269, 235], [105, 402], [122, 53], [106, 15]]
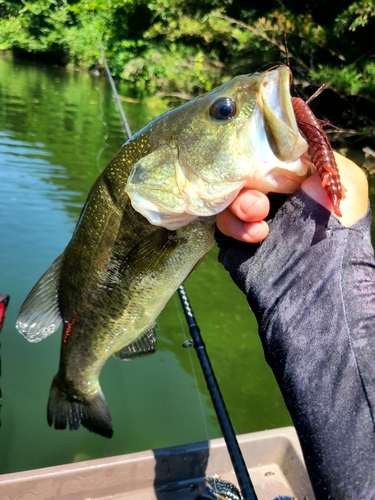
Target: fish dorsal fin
[[152, 253], [144, 345], [40, 314]]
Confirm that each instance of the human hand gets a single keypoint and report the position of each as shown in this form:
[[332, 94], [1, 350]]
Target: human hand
[[243, 219]]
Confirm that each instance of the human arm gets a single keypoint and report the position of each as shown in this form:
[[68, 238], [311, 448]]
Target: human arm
[[311, 286]]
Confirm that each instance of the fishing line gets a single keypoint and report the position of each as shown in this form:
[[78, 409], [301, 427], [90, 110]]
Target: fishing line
[[186, 344]]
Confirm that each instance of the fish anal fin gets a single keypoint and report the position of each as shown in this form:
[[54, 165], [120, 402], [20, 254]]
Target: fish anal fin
[[152, 253], [68, 410], [144, 345], [40, 314]]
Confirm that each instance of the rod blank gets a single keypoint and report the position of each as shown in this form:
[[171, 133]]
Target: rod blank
[[240, 469]]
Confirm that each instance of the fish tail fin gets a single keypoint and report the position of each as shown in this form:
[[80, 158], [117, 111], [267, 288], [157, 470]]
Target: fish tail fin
[[67, 408]]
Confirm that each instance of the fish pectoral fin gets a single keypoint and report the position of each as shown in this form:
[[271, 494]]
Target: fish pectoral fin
[[144, 345], [195, 267], [151, 253], [40, 314]]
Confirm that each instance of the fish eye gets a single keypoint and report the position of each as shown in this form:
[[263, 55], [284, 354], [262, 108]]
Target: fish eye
[[223, 109]]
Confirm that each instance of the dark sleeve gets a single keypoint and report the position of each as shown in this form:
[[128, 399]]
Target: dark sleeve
[[311, 285]]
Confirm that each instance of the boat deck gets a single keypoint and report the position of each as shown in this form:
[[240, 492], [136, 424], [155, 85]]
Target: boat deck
[[274, 460]]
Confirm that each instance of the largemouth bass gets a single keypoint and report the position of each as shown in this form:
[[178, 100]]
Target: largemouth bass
[[147, 223]]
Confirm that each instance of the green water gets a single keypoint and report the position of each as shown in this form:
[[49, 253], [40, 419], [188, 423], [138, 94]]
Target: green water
[[58, 129]]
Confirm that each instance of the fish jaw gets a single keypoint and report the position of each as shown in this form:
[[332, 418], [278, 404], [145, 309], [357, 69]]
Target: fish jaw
[[280, 121], [206, 161]]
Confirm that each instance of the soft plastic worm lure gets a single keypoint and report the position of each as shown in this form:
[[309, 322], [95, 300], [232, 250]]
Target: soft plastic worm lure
[[319, 147], [320, 151]]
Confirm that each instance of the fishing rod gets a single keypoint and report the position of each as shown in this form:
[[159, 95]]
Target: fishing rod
[[240, 469], [116, 97]]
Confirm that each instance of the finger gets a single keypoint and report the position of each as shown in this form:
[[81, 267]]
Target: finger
[[313, 187], [249, 232], [250, 205], [354, 205]]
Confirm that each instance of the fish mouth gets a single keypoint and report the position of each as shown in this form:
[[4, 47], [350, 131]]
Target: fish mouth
[[199, 174], [281, 126]]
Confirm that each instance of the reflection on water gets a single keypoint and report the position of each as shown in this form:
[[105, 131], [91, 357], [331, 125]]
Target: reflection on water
[[58, 129]]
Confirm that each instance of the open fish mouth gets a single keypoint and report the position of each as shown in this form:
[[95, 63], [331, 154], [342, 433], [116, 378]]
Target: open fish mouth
[[280, 122], [256, 143]]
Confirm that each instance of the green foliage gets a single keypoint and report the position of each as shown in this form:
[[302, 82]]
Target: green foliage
[[347, 80], [174, 70], [181, 48], [35, 26], [52, 26], [83, 39], [357, 15]]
